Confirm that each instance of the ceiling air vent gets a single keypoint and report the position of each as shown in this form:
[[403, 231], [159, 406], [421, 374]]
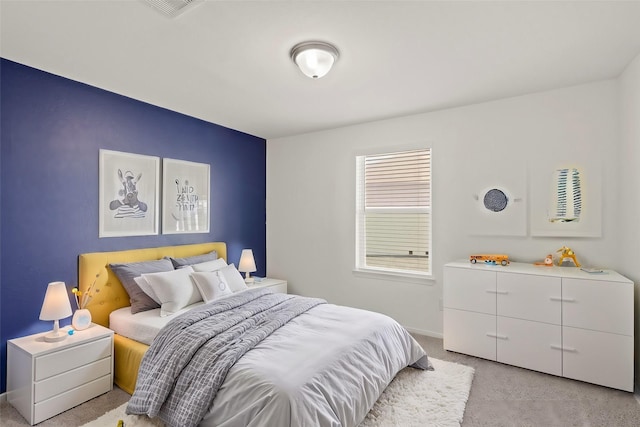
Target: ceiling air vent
[[172, 8]]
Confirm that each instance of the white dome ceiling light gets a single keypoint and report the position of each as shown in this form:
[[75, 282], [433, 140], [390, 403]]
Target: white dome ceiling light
[[314, 59]]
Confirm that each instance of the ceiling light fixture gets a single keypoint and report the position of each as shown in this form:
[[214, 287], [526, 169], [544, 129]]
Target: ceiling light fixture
[[314, 59], [172, 8]]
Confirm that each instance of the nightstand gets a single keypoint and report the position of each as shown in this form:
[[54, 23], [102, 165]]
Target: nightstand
[[276, 285], [45, 379]]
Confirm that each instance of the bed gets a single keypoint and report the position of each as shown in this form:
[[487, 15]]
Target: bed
[[298, 375]]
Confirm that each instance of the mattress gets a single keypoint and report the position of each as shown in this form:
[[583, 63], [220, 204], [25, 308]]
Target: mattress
[[143, 326]]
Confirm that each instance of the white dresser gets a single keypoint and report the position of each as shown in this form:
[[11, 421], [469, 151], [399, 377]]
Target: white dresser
[[558, 320], [47, 378]]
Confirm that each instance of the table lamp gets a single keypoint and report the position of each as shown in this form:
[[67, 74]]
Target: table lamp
[[56, 306], [247, 264]]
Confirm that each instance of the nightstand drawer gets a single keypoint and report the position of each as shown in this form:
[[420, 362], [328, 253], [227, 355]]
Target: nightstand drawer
[[71, 379], [71, 398], [279, 288], [70, 358], [276, 285]]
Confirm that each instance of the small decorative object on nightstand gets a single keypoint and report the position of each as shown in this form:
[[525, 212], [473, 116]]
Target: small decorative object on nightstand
[[45, 379], [247, 265], [82, 317], [56, 306]]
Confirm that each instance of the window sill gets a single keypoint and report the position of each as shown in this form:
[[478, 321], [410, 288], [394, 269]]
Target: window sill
[[419, 279]]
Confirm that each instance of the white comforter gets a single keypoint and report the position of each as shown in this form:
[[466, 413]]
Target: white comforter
[[327, 367]]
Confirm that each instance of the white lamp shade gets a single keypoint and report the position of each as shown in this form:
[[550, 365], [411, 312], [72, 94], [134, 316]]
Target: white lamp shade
[[56, 303], [247, 263], [314, 59]]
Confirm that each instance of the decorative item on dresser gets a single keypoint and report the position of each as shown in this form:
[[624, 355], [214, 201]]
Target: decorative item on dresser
[[558, 320], [45, 379]]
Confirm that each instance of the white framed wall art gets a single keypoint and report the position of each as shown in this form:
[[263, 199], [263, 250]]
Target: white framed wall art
[[185, 197], [129, 196], [566, 200]]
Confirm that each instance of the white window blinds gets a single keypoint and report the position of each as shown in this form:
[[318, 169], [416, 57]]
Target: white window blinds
[[393, 212]]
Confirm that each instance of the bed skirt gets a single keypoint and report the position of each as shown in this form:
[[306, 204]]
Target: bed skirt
[[128, 355]]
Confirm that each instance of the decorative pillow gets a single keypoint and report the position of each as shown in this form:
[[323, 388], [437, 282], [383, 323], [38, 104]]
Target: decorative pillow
[[233, 277], [210, 265], [139, 300], [211, 284], [146, 288], [179, 262], [174, 289]]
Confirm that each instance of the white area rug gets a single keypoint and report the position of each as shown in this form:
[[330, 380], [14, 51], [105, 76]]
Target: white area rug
[[414, 398]]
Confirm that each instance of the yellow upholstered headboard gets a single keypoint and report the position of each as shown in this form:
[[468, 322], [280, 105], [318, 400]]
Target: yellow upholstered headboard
[[112, 294]]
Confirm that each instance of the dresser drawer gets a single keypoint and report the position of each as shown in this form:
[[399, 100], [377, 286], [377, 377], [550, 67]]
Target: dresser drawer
[[470, 290], [72, 379], [531, 345], [529, 297], [470, 333], [62, 402], [56, 363], [598, 305], [598, 357]]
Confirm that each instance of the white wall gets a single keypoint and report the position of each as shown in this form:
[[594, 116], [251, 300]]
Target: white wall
[[311, 207], [629, 200]]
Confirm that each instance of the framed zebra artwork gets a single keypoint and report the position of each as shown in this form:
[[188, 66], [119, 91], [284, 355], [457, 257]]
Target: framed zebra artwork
[[129, 194]]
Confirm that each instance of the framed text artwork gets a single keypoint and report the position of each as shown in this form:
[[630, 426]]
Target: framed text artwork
[[185, 197], [129, 194]]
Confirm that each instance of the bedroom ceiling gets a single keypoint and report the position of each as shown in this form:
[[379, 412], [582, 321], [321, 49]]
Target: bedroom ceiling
[[227, 62]]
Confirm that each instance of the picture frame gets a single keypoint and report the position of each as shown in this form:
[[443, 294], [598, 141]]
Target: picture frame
[[497, 203], [566, 200], [185, 197], [129, 194]]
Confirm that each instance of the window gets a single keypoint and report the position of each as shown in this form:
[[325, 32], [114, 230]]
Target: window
[[393, 212]]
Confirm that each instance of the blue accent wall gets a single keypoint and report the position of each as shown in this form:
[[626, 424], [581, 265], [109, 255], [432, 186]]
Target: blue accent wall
[[51, 131]]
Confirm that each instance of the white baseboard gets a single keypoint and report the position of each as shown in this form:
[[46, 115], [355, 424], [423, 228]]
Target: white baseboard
[[3, 397], [424, 332]]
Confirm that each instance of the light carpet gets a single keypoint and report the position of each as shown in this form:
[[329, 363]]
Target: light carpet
[[415, 398]]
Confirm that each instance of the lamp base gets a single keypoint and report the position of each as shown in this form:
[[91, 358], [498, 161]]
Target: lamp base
[[248, 279], [55, 336]]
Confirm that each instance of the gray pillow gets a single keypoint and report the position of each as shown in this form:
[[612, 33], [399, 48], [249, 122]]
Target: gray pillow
[[197, 259], [139, 300]]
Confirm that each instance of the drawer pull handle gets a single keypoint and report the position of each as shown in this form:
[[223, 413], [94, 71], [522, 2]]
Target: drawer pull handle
[[568, 349], [562, 299], [502, 337], [491, 291]]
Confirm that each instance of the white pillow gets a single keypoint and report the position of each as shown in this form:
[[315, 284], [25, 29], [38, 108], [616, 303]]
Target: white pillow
[[146, 288], [209, 265], [234, 278], [211, 284], [174, 289]]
